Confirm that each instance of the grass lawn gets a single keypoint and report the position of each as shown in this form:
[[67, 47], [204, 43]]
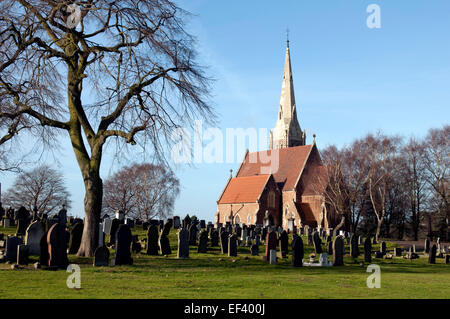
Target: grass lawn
[[214, 275]]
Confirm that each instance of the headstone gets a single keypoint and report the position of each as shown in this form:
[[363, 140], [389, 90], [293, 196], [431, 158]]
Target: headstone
[[354, 249], [273, 257], [164, 244], [317, 243], [447, 259], [115, 223], [22, 255], [75, 238], [43, 245], [203, 242], [214, 238], [183, 243], [323, 259], [57, 246], [129, 222], [232, 245], [123, 245], [152, 240], [297, 251], [338, 247], [12, 242], [284, 244], [432, 255], [330, 248], [367, 250], [397, 252], [33, 237], [176, 222], [427, 246], [145, 225], [193, 234], [383, 248], [101, 256], [271, 244], [254, 250], [224, 242]]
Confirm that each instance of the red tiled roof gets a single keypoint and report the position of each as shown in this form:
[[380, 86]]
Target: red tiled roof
[[244, 189], [290, 164]]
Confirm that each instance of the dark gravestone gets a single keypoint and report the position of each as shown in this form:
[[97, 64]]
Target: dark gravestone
[[317, 243], [203, 242], [167, 226], [183, 243], [43, 245], [354, 249], [254, 250], [367, 250], [432, 255], [23, 220], [224, 242], [176, 222], [202, 224], [271, 244], [101, 256], [284, 244], [145, 225], [427, 246], [310, 239], [338, 248], [11, 248], [135, 244], [447, 259], [187, 222], [330, 248], [152, 240], [193, 234], [57, 247], [22, 255], [232, 245], [33, 237], [115, 223], [383, 248], [214, 238], [378, 254], [297, 251], [397, 252], [123, 245], [75, 238], [164, 244], [264, 233]]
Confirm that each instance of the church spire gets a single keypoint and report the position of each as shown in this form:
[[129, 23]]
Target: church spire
[[287, 132]]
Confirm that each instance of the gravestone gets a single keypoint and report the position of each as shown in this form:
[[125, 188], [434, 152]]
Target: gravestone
[[271, 244], [447, 259], [310, 239], [145, 225], [22, 255], [224, 242], [123, 245], [193, 234], [176, 222], [183, 243], [383, 248], [354, 249], [257, 240], [164, 244], [115, 223], [214, 238], [330, 248], [232, 245], [427, 246], [284, 244], [432, 255], [397, 252], [23, 220], [317, 243], [254, 250], [12, 242], [187, 222], [136, 246], [57, 246], [101, 256], [43, 248], [273, 257], [75, 238], [33, 237], [367, 250], [338, 248], [203, 242], [297, 251], [152, 240]]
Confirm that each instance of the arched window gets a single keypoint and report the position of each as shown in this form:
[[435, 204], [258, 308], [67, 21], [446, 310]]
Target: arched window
[[249, 219], [237, 220], [271, 199]]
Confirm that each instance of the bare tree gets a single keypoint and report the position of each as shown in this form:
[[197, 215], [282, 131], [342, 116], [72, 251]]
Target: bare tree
[[135, 58], [42, 187], [436, 158], [142, 191]]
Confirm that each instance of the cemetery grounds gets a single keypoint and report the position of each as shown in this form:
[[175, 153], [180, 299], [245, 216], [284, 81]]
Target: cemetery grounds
[[214, 275]]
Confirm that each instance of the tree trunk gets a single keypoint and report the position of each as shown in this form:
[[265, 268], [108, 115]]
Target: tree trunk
[[92, 208]]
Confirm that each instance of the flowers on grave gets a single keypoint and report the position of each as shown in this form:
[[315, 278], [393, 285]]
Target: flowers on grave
[[312, 256]]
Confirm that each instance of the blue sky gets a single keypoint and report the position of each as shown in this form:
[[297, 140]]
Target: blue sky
[[349, 80]]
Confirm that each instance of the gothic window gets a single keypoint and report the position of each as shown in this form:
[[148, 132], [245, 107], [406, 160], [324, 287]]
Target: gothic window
[[271, 199], [237, 220]]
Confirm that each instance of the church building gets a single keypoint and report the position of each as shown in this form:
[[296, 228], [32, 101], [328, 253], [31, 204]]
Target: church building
[[290, 194]]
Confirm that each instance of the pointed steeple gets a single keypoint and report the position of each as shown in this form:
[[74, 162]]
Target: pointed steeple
[[287, 132]]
